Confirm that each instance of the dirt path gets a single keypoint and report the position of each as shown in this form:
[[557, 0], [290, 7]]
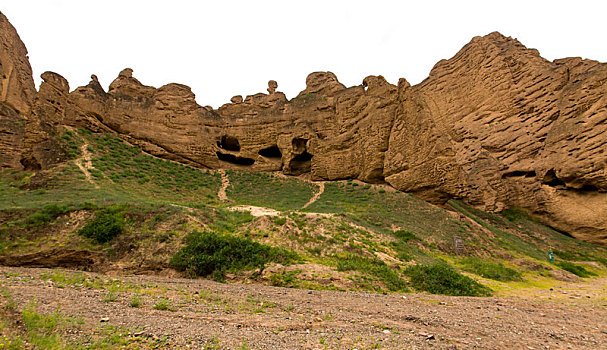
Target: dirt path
[[321, 189], [85, 163], [225, 182], [256, 211], [229, 316]]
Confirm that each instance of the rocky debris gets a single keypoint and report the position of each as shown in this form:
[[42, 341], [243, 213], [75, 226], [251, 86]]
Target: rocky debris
[[497, 126], [279, 318]]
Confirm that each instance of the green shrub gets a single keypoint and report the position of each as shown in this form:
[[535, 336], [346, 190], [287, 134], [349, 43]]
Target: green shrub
[[47, 214], [163, 305], [490, 269], [215, 254], [406, 236], [575, 269], [373, 267], [136, 301], [107, 224], [280, 221], [441, 278]]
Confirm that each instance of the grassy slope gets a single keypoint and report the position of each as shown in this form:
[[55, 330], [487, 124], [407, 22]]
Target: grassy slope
[[371, 229]]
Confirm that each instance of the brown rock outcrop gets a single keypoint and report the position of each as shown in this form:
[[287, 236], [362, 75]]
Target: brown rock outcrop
[[24, 141], [500, 126], [497, 126]]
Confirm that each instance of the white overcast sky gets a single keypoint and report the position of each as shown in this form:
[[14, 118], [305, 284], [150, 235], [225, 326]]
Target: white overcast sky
[[226, 48]]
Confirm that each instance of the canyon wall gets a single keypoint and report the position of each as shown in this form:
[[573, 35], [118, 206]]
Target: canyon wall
[[497, 126]]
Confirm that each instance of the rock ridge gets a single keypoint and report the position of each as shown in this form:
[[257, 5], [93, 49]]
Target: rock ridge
[[496, 125]]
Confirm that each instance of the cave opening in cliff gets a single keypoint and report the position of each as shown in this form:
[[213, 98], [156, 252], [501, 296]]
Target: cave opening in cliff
[[299, 145], [229, 143], [519, 173], [230, 158], [552, 180], [30, 164], [301, 163], [588, 188], [271, 152]]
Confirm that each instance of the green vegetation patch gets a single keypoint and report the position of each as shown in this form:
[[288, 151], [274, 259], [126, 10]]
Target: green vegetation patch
[[267, 190], [441, 278], [373, 267], [490, 269], [71, 143], [380, 210], [215, 254], [575, 269], [107, 224], [47, 214]]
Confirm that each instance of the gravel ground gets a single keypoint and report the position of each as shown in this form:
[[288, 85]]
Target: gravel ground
[[238, 316]]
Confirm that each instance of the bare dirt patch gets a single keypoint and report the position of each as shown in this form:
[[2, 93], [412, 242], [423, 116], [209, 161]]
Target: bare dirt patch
[[84, 163]]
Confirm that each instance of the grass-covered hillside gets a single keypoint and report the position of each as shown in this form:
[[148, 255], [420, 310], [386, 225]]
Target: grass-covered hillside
[[132, 212]]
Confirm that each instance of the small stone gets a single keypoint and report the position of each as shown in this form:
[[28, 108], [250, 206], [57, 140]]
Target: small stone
[[104, 319], [386, 331]]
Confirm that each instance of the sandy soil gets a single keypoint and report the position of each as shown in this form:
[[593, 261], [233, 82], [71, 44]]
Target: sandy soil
[[571, 316], [85, 163]]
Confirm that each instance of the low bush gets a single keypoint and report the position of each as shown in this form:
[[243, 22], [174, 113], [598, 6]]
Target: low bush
[[374, 267], [280, 221], [215, 254], [577, 270], [107, 224], [406, 236], [47, 214], [440, 278], [490, 269]]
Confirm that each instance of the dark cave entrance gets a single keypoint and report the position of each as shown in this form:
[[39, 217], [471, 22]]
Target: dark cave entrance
[[229, 143], [271, 152], [230, 158]]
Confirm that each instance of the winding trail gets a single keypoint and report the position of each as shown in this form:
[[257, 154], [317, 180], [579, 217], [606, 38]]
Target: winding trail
[[87, 164], [225, 182], [321, 189]]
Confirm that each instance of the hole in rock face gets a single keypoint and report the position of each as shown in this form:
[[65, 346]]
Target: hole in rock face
[[229, 143], [302, 163], [519, 173], [271, 152], [30, 164], [304, 157], [234, 159], [588, 188], [299, 145], [552, 180]]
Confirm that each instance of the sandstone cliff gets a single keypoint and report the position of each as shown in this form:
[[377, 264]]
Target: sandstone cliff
[[496, 125], [25, 141]]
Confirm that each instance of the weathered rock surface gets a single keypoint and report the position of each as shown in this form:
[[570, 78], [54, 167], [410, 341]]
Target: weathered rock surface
[[496, 125], [24, 141], [500, 126]]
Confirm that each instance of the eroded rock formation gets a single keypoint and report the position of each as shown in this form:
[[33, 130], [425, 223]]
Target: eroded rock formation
[[496, 125]]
